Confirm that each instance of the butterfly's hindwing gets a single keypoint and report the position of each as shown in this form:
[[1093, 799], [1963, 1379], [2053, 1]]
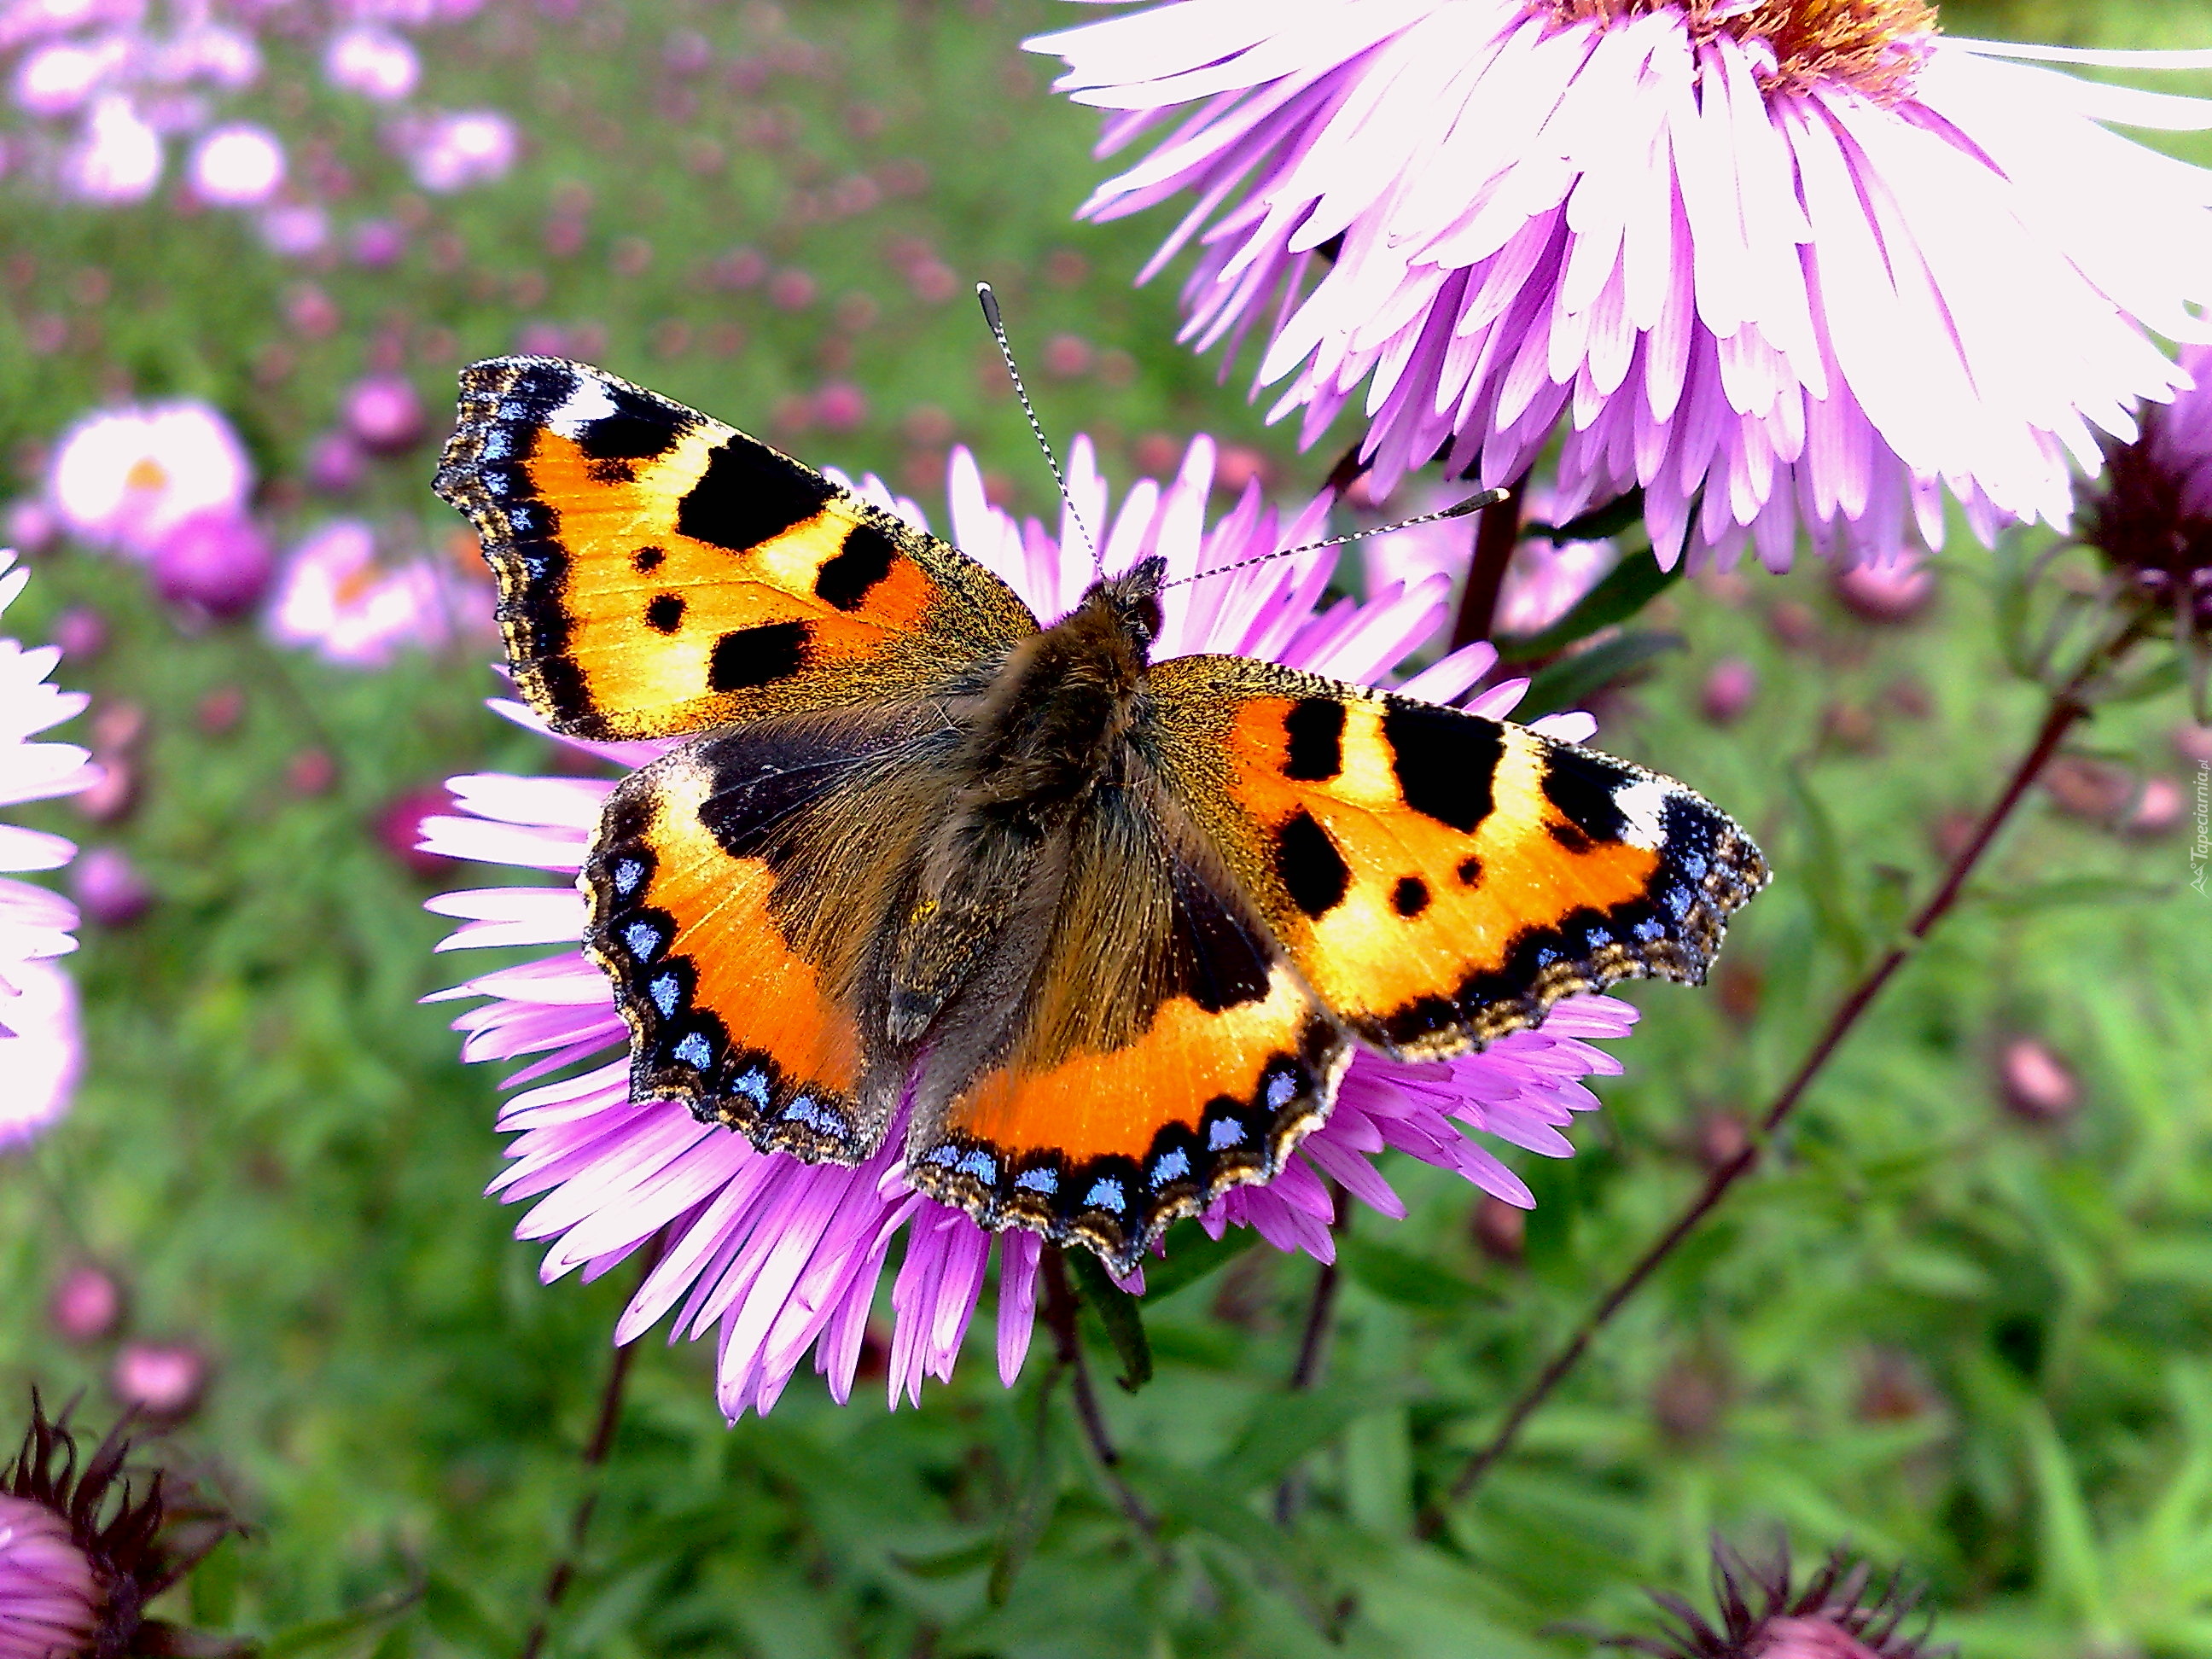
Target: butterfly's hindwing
[[1158, 1051], [660, 573], [1439, 878], [732, 891]]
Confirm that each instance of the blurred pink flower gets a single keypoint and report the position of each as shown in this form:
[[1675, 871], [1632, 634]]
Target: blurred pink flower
[[217, 563], [452, 152], [385, 413], [333, 596], [40, 1046], [373, 62], [163, 1380], [125, 478], [1803, 278], [778, 1257], [109, 888], [86, 1306], [240, 164]]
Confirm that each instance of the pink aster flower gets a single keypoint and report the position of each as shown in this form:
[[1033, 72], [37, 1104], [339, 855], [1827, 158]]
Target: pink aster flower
[[86, 1543], [40, 1050], [1543, 582], [776, 1258], [1785, 265], [453, 152]]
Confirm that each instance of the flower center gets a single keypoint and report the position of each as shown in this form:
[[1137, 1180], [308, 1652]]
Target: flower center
[[146, 473], [1856, 42]]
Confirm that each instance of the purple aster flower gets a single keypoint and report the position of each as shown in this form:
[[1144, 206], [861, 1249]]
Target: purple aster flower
[[1842, 1611], [1783, 265], [83, 1553], [2151, 514], [777, 1258], [39, 1048]]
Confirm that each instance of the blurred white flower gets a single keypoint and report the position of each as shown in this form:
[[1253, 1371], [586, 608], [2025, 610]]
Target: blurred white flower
[[335, 598], [119, 158], [61, 78], [240, 164], [373, 62], [452, 151], [125, 478]]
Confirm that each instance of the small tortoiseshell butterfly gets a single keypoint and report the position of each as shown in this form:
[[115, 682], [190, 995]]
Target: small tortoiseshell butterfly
[[1110, 926]]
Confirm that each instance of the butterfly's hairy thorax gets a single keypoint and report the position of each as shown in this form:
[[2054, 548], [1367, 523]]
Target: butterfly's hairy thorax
[[1050, 732]]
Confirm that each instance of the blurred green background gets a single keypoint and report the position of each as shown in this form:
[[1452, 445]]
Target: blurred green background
[[1960, 1337]]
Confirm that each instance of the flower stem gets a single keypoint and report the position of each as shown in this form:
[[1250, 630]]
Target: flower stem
[[1313, 1351], [1059, 1316], [1497, 533], [595, 1456], [2064, 710]]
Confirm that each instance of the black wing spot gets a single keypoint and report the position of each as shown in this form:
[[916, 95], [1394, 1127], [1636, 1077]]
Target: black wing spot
[[865, 560], [1217, 957], [1470, 871], [1570, 837], [665, 614], [1315, 727], [1582, 784], [749, 494], [1313, 871], [1410, 897], [646, 560], [1444, 762], [642, 428], [757, 656]]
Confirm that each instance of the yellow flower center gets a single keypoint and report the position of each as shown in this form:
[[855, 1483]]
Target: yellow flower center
[[1851, 42], [146, 474]]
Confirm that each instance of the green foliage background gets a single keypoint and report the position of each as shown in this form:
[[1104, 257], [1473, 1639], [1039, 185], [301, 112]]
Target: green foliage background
[[1960, 1341]]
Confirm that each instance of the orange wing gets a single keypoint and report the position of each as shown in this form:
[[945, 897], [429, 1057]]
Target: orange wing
[[733, 889], [1441, 879], [660, 573], [1156, 1052]]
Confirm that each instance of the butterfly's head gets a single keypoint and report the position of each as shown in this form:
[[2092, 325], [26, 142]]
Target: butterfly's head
[[1133, 600]]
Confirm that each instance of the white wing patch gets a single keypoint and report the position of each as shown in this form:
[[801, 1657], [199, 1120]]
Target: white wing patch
[[1644, 804]]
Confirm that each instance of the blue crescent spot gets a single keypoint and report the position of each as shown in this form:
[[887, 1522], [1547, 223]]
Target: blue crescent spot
[[1694, 866], [1106, 1194], [1171, 1166], [1597, 938], [1281, 1088], [753, 1086], [1224, 1132], [627, 873], [944, 1157], [643, 939], [1546, 957], [664, 991], [1649, 931], [1679, 900], [981, 1165], [695, 1052], [1038, 1180]]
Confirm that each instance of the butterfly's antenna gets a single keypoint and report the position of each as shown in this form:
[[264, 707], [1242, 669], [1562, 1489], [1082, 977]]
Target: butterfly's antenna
[[990, 303], [1458, 510]]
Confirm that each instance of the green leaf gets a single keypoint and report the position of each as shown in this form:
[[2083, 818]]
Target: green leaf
[[1117, 1311], [948, 1563], [1284, 1427], [1827, 882], [1405, 1280], [215, 1587], [2062, 890], [1626, 589], [1037, 1495], [1597, 525], [1564, 684], [1192, 1254], [451, 1611]]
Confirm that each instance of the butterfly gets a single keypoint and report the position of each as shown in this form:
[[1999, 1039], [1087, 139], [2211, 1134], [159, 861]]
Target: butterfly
[[1103, 933]]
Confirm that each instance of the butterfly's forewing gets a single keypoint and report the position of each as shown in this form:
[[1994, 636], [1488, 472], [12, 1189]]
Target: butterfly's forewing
[[660, 573], [734, 889], [1441, 879], [1157, 1050]]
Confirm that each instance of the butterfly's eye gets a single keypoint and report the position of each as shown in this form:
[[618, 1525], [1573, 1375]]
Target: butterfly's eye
[[1143, 617]]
